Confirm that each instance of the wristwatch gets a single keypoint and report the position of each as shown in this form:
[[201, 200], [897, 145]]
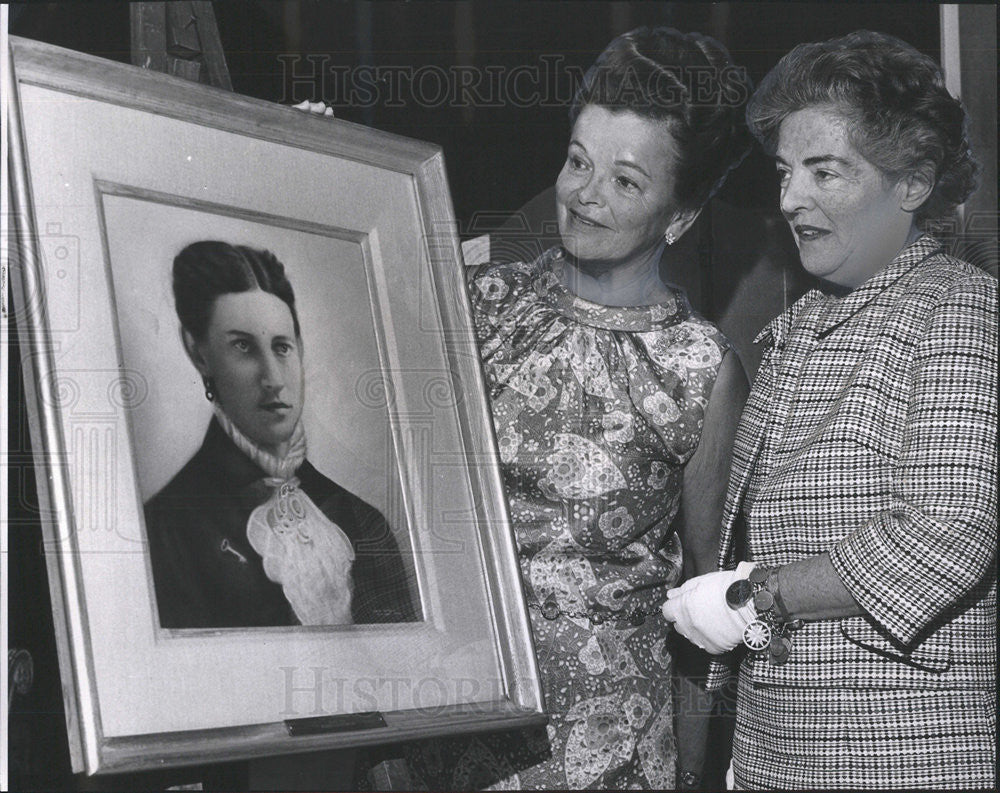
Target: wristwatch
[[688, 780]]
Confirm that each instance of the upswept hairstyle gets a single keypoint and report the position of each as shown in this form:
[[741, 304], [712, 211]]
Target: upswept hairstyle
[[899, 114], [205, 270], [687, 80]]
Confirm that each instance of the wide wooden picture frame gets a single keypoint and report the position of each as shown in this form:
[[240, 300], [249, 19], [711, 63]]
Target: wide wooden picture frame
[[112, 171]]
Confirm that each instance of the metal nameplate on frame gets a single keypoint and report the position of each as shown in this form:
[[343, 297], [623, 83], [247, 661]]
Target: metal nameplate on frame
[[347, 722]]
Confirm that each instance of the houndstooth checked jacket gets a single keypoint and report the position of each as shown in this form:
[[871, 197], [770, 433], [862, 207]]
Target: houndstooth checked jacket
[[881, 408]]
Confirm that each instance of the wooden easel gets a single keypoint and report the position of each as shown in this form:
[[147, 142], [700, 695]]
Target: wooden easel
[[179, 38], [182, 39]]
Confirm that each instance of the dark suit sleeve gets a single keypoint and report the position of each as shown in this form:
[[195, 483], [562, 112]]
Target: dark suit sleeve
[[178, 597], [384, 590]]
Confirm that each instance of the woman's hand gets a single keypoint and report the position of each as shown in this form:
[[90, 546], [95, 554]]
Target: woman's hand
[[701, 614], [810, 589], [317, 108]]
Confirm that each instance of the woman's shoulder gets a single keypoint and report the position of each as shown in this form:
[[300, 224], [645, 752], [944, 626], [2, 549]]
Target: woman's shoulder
[[944, 274], [692, 329], [352, 513], [706, 327], [692, 349], [946, 291], [184, 487], [497, 282]]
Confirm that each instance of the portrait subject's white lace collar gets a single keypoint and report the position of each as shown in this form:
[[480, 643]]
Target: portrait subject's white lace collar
[[304, 551]]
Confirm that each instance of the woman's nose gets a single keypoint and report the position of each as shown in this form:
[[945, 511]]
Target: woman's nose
[[794, 195], [272, 374], [590, 191]]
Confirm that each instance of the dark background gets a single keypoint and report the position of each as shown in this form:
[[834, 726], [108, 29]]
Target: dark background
[[499, 158]]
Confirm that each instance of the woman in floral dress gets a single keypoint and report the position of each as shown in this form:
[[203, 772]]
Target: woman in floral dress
[[614, 405]]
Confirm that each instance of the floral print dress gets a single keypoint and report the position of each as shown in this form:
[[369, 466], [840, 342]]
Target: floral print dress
[[596, 410]]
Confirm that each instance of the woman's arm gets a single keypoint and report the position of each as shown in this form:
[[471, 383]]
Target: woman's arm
[[702, 498], [907, 563], [936, 539], [707, 472], [812, 590]]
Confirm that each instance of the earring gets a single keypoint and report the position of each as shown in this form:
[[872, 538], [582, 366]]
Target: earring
[[670, 238], [209, 388]]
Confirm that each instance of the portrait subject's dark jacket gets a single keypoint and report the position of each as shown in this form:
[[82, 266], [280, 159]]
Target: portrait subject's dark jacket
[[207, 575]]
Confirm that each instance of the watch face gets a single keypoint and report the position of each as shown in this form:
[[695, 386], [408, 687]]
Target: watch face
[[739, 592]]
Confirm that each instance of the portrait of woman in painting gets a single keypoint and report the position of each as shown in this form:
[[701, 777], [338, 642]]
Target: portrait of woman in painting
[[248, 533]]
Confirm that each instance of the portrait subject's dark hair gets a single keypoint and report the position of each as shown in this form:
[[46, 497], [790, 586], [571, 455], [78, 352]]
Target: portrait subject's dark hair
[[687, 80], [205, 270], [898, 113]]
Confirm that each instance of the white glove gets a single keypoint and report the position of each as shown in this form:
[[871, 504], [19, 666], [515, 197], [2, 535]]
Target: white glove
[[700, 613]]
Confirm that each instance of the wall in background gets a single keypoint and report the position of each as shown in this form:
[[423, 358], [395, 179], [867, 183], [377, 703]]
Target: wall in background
[[399, 66]]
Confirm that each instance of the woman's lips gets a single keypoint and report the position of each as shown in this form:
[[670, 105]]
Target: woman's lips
[[809, 233], [277, 408], [585, 221]]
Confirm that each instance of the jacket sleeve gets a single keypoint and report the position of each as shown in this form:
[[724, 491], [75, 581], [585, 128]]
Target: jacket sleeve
[[384, 590], [179, 598], [937, 540]]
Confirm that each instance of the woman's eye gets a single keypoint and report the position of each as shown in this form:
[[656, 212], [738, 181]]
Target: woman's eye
[[626, 183], [242, 345], [783, 177], [576, 163], [283, 348], [824, 176]]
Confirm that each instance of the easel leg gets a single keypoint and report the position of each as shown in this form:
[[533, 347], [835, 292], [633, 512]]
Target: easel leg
[[334, 770], [391, 773]]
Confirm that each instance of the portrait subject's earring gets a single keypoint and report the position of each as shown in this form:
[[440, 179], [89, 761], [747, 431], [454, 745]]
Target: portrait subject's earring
[[670, 238], [209, 388]]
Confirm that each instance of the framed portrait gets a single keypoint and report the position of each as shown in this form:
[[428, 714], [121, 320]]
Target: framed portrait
[[275, 517]]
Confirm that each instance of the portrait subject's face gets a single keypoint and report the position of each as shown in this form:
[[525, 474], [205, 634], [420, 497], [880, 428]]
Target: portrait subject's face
[[614, 195], [252, 355], [846, 216]]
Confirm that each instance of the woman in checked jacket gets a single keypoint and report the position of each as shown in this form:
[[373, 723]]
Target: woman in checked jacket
[[863, 494]]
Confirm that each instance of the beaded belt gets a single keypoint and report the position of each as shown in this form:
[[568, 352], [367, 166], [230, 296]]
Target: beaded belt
[[633, 616]]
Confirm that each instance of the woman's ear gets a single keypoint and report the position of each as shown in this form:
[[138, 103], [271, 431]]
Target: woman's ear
[[682, 221], [916, 187], [191, 348]]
